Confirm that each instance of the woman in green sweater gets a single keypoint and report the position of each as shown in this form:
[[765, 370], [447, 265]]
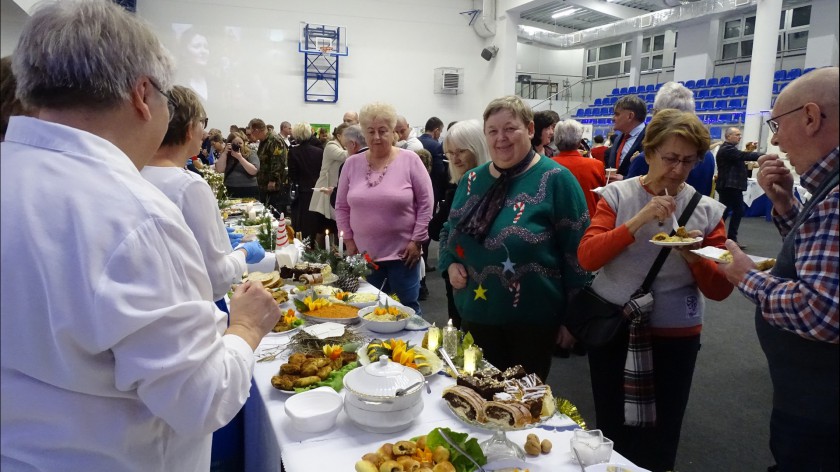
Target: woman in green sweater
[[510, 244]]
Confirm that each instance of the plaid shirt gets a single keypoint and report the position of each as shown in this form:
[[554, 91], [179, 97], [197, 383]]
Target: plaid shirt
[[808, 306]]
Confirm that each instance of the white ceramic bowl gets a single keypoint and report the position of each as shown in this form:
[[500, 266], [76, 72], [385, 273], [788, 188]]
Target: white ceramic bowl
[[314, 411], [385, 327]]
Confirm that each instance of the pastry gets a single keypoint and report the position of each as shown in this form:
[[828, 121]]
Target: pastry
[[466, 402], [485, 387], [766, 264], [660, 237], [306, 381], [507, 414], [311, 279]]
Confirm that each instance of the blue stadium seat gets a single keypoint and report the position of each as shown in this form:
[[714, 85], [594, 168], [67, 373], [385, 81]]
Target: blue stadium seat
[[738, 80], [716, 132], [650, 88], [708, 105], [777, 87], [808, 70], [698, 105], [793, 74], [613, 100], [741, 117], [648, 118], [658, 86], [605, 121], [734, 104], [650, 97], [587, 112], [579, 112], [631, 89], [728, 92], [691, 84], [747, 79], [724, 81], [720, 104], [614, 91], [724, 118], [779, 75], [597, 102], [700, 83], [607, 111], [715, 93], [622, 91], [742, 90], [713, 82], [703, 93]]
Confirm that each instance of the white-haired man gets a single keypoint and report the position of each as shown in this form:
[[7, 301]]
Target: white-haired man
[[111, 357]]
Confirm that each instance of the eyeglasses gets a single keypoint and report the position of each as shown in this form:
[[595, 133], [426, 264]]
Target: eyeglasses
[[455, 153], [203, 122], [773, 123], [673, 161], [169, 103]]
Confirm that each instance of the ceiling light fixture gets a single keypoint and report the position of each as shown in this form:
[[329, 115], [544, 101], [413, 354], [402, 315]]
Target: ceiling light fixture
[[564, 12]]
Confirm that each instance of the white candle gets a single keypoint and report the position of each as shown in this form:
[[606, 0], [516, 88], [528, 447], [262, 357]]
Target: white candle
[[450, 339], [433, 341], [340, 243], [252, 215], [327, 240], [470, 359]]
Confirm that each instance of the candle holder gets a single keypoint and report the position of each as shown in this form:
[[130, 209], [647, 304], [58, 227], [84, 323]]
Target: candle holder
[[450, 339], [433, 340], [471, 357]]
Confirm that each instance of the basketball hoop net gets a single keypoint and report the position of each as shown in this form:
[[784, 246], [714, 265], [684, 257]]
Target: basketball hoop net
[[325, 49]]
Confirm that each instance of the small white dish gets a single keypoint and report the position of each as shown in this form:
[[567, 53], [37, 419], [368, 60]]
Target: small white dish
[[385, 327], [314, 411], [716, 253]]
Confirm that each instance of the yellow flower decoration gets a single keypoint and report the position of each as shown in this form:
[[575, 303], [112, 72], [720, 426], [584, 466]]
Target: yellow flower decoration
[[389, 310], [316, 303], [343, 296], [333, 351], [289, 317]]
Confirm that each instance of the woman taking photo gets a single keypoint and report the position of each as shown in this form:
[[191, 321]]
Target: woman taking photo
[[510, 244], [384, 205], [240, 166], [646, 428], [465, 149]]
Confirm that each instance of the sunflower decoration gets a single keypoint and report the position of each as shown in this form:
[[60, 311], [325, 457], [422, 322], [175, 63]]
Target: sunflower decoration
[[311, 303], [400, 352], [343, 296]]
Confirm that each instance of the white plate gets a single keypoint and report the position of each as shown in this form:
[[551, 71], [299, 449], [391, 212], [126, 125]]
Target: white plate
[[614, 468], [715, 253], [282, 333], [680, 243]]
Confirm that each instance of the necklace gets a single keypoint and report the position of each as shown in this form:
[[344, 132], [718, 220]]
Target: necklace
[[370, 172]]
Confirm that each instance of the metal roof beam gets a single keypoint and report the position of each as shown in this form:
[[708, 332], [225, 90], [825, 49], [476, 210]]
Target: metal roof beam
[[610, 9]]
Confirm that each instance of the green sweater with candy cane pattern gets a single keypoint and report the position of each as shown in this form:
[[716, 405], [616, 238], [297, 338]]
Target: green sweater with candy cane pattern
[[527, 265]]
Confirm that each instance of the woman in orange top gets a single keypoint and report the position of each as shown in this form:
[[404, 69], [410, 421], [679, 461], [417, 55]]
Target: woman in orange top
[[588, 172]]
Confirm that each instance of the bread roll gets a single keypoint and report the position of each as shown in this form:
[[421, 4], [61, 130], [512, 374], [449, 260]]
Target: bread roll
[[390, 466], [366, 466]]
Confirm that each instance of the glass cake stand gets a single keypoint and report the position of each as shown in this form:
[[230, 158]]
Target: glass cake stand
[[499, 447]]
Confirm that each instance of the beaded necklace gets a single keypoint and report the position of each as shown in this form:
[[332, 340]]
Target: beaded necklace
[[381, 176]]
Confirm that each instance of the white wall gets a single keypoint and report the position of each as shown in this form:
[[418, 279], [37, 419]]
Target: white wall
[[12, 18], [394, 48]]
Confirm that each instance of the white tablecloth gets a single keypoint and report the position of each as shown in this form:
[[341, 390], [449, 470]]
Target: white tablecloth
[[755, 191], [270, 435]]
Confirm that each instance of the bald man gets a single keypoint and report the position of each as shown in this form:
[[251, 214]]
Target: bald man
[[732, 178], [797, 308], [351, 118]]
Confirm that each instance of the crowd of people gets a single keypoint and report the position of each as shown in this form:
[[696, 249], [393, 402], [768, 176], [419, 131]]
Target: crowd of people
[[121, 314]]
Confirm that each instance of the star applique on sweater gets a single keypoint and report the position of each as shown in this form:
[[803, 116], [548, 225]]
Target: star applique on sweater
[[480, 292]]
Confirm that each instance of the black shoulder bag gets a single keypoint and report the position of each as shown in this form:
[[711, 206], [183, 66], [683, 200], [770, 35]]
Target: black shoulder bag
[[594, 321]]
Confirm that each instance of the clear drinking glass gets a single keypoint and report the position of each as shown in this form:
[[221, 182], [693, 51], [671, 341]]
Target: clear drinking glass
[[591, 446]]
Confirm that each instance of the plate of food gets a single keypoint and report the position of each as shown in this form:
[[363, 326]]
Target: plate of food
[[507, 401], [723, 256], [304, 372], [320, 310], [385, 319], [397, 350], [289, 323], [680, 238]]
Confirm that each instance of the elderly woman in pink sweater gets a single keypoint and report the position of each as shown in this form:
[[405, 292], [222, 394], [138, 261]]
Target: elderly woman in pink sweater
[[384, 204]]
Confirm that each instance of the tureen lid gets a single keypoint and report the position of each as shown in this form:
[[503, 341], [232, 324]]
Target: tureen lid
[[381, 378]]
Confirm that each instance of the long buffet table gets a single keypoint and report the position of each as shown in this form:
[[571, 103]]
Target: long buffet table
[[270, 437]]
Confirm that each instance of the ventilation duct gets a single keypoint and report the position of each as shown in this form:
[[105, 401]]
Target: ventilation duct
[[485, 23], [673, 16]]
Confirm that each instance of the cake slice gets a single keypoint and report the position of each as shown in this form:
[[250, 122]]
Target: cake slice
[[465, 402], [507, 414], [485, 387]]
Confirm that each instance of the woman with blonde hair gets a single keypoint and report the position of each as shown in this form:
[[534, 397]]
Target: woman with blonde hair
[[304, 167], [384, 205]]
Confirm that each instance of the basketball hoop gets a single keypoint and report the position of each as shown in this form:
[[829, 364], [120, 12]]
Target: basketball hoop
[[325, 49]]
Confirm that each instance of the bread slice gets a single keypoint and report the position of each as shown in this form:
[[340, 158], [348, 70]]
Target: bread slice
[[508, 414], [465, 402]]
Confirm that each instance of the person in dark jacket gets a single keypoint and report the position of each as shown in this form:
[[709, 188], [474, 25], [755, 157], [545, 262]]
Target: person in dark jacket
[[304, 169], [732, 178], [440, 173]]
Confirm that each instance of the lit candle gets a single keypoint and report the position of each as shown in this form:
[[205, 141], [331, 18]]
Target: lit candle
[[470, 359], [327, 240], [252, 214], [450, 339], [341, 244], [433, 340]]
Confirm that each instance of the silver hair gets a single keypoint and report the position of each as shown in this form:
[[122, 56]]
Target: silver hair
[[567, 135], [302, 131], [674, 95], [468, 135], [354, 133], [87, 53], [375, 110]]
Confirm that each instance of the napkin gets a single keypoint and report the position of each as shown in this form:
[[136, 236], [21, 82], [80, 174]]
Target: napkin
[[325, 330]]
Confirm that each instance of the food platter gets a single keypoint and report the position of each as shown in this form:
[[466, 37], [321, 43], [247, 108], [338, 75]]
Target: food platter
[[319, 319], [284, 333], [435, 363], [498, 427], [684, 242]]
